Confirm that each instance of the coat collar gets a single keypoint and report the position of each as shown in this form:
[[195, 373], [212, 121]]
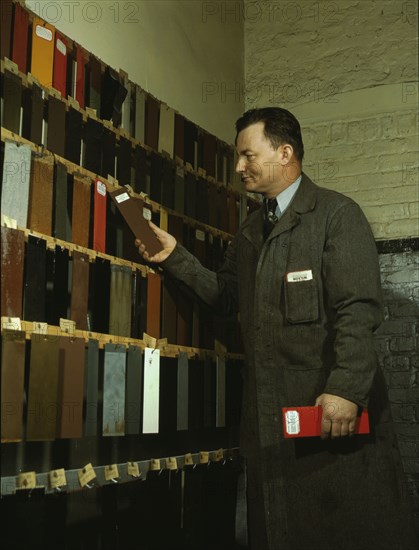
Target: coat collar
[[303, 202]]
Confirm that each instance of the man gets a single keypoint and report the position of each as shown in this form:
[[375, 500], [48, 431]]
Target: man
[[303, 274]]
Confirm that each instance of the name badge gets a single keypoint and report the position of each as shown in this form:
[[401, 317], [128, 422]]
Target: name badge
[[298, 276]]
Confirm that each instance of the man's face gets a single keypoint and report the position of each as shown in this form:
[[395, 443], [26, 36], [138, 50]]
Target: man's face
[[260, 166]]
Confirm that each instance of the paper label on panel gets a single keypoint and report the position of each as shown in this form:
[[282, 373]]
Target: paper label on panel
[[147, 214], [61, 47], [43, 32], [122, 198], [101, 188], [151, 390]]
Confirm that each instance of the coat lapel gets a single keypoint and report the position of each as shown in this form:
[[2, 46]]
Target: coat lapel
[[304, 201]]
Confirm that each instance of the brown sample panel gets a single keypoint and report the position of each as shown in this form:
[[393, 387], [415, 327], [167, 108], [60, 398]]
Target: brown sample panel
[[80, 290], [70, 387], [12, 262], [132, 210], [169, 312], [12, 101], [56, 126], [12, 384], [120, 300], [81, 211], [6, 28], [43, 407], [40, 196], [153, 305]]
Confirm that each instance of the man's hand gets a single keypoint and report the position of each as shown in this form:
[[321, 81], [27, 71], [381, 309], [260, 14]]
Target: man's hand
[[167, 241], [339, 416]]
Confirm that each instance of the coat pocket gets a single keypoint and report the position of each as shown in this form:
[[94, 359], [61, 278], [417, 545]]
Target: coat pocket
[[301, 301]]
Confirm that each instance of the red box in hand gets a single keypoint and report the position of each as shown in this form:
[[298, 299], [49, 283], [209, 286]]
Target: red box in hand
[[306, 421]]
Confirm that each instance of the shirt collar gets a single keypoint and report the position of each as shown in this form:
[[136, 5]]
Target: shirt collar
[[285, 197]]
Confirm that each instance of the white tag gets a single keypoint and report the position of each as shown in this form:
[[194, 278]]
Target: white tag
[[61, 47], [40, 328], [292, 422], [122, 197], [297, 276], [180, 171], [43, 32], [151, 391], [200, 235], [147, 214], [11, 323], [101, 188]]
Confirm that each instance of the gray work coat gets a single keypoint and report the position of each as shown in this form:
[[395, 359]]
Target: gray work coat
[[303, 338]]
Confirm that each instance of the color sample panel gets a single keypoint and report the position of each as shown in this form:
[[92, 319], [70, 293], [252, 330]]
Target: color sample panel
[[41, 194], [20, 37], [114, 390], [12, 379], [81, 211], [151, 390], [60, 64], [153, 305], [34, 307], [62, 210], [42, 51], [79, 289], [139, 114], [80, 72], [15, 183], [12, 101], [167, 130], [91, 388], [70, 387], [120, 300], [43, 406], [99, 228], [12, 262], [33, 114], [182, 391], [134, 390]]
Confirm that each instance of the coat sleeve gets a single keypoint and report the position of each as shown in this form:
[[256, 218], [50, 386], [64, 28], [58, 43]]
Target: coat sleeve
[[351, 281], [217, 289]]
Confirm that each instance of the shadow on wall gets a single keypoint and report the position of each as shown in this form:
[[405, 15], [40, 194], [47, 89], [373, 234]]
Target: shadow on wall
[[397, 351]]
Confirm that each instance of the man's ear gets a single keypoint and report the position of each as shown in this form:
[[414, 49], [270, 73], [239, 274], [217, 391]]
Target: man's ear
[[287, 152]]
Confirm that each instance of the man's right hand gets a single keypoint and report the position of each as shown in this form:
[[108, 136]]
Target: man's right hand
[[167, 241]]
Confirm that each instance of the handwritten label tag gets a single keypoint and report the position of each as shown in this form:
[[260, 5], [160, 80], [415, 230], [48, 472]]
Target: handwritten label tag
[[39, 328], [68, 326], [26, 480], [11, 323], [147, 214], [57, 478], [86, 475], [155, 464], [204, 457], [188, 459], [171, 463], [61, 47], [292, 422], [101, 188], [43, 32], [218, 455], [111, 472], [133, 469], [200, 235], [122, 198], [149, 341], [299, 276]]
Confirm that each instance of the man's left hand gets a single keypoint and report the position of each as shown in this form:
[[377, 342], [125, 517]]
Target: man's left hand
[[339, 416]]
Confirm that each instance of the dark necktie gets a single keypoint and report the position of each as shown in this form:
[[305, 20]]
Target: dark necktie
[[270, 216]]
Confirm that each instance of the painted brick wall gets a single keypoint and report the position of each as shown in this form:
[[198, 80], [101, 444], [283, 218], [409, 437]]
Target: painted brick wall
[[397, 350], [348, 70]]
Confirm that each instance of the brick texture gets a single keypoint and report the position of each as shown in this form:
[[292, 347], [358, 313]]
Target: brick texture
[[338, 66]]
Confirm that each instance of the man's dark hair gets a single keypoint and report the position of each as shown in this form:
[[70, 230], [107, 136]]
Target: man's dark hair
[[281, 127]]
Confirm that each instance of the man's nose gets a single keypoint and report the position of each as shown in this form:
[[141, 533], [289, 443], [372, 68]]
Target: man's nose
[[240, 165]]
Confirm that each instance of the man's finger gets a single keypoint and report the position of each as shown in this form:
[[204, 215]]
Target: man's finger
[[336, 430], [325, 428]]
